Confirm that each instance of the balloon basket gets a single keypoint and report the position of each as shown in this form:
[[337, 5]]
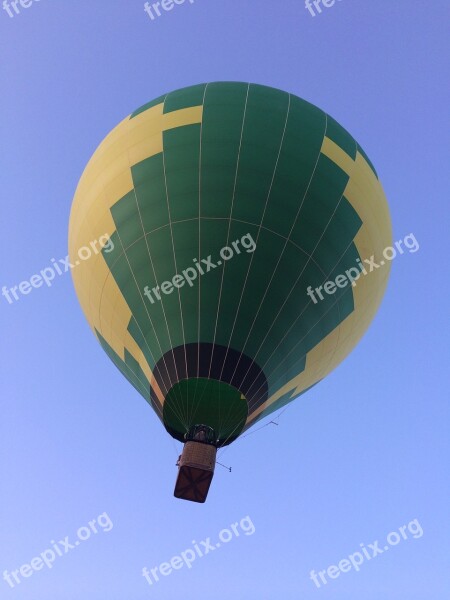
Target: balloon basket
[[196, 470]]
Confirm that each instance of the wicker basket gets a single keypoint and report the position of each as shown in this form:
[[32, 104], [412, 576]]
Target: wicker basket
[[196, 470], [202, 456]]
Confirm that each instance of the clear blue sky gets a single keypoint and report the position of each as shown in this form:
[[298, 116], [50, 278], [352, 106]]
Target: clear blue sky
[[364, 453]]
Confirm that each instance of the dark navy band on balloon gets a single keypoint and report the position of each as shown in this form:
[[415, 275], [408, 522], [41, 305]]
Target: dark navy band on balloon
[[216, 362]]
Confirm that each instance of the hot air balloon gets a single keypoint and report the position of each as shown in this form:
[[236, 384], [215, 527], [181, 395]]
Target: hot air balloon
[[230, 207]]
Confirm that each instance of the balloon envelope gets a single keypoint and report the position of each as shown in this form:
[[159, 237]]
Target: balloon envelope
[[239, 216]]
